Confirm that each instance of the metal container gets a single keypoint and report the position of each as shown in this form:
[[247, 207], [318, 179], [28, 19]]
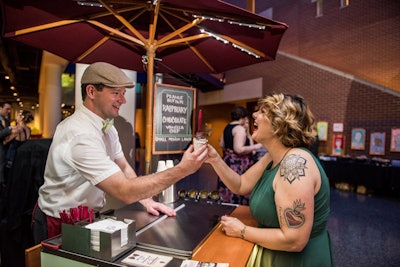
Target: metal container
[[168, 195]]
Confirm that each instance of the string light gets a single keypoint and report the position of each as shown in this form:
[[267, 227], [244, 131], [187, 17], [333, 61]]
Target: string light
[[208, 18], [245, 50], [215, 36], [87, 3], [227, 42], [250, 25]]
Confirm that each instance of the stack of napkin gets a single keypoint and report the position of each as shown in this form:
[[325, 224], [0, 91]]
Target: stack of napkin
[[107, 226]]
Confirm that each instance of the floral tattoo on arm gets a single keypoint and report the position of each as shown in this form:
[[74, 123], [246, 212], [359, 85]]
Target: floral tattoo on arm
[[293, 167]]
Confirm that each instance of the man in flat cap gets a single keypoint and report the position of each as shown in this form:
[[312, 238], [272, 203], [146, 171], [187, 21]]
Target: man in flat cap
[[85, 159]]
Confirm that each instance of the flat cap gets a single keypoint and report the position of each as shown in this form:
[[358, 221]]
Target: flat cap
[[106, 74]]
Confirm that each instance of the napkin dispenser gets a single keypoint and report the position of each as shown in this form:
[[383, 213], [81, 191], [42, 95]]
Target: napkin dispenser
[[77, 238]]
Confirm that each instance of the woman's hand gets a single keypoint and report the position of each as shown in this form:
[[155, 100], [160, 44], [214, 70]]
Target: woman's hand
[[232, 226], [212, 154]]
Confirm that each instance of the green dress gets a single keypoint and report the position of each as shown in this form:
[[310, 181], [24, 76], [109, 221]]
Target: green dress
[[262, 205]]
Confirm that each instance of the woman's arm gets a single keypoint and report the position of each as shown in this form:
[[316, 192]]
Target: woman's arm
[[295, 185], [239, 184], [222, 142], [239, 141]]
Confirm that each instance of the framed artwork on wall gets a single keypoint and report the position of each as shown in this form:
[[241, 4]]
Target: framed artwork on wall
[[395, 140], [338, 145], [377, 143], [338, 127], [358, 139], [322, 129]]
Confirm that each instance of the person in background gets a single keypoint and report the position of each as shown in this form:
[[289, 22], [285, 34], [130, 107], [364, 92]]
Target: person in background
[[5, 130], [85, 159], [315, 145], [17, 139], [237, 152], [290, 193], [249, 139]]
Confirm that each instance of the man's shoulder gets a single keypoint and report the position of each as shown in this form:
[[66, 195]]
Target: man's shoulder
[[75, 125]]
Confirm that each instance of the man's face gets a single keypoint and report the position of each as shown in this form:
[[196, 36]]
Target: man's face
[[108, 101], [5, 110]]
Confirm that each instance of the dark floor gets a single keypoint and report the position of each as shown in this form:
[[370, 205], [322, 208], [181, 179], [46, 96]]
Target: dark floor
[[365, 230]]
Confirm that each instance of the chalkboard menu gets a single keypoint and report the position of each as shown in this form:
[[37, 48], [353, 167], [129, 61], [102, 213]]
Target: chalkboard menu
[[173, 118]]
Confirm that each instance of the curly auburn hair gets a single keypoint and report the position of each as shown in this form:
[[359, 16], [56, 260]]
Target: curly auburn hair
[[291, 119]]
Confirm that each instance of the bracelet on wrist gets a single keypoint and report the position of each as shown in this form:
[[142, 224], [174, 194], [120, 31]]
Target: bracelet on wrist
[[242, 232]]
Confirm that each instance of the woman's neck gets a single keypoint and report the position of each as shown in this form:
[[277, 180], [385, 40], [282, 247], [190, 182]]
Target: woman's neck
[[277, 151]]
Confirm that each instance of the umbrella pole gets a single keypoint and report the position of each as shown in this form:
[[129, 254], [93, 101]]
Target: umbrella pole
[[149, 111]]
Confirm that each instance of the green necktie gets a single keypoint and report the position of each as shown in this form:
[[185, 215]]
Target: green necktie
[[107, 125]]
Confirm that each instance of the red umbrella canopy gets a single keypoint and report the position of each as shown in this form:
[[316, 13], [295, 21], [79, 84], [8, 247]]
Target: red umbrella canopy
[[181, 36], [207, 36]]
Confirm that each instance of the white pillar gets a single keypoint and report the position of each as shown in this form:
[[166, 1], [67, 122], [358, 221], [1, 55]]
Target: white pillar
[[50, 92]]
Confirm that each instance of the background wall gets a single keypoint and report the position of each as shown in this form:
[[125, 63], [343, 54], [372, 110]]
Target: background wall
[[346, 64], [361, 39], [333, 97]]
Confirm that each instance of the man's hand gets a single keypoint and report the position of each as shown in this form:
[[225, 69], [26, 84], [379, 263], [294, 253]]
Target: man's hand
[[16, 129], [192, 160], [155, 208]]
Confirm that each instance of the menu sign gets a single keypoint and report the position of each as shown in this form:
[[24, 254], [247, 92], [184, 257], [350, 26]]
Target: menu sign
[[173, 123]]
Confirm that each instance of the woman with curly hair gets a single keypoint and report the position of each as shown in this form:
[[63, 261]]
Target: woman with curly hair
[[289, 190]]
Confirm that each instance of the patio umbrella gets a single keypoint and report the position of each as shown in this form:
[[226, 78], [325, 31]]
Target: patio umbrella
[[207, 36]]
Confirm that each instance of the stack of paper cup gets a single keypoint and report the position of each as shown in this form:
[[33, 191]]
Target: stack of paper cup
[[161, 166], [168, 195], [169, 163]]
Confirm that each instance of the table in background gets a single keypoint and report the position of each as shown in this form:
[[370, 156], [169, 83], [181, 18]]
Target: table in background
[[383, 180]]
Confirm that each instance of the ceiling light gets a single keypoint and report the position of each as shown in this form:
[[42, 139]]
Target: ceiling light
[[7, 77]]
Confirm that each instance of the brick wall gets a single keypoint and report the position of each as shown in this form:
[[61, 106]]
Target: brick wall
[[361, 39]]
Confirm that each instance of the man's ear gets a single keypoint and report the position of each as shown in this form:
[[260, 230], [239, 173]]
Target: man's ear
[[90, 90]]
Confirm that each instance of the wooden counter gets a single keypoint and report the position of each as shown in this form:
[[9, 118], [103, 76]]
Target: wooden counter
[[221, 248]]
